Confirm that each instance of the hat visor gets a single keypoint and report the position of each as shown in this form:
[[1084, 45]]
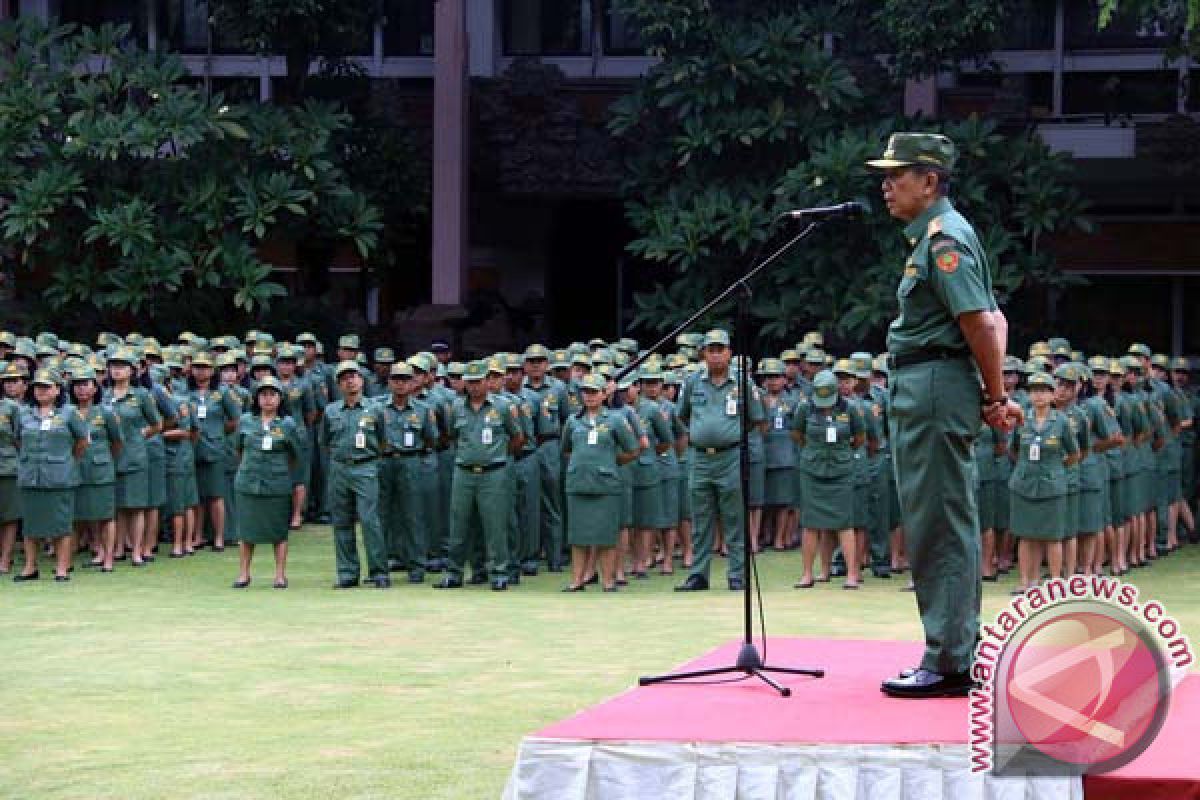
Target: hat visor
[[43, 382], [824, 402], [889, 163]]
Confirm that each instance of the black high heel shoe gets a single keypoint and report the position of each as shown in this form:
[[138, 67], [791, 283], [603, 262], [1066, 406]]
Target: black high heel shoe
[[241, 584]]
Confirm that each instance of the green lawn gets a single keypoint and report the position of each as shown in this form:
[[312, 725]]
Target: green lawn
[[167, 683]]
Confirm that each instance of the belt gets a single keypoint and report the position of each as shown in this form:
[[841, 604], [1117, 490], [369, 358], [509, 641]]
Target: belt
[[924, 356], [405, 453], [478, 470], [549, 436], [362, 460], [712, 451]]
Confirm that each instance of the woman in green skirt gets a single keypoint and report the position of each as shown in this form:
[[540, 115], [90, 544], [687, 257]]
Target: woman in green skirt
[[266, 445], [1066, 393], [828, 432], [1106, 378], [986, 444], [53, 439], [217, 412], [1095, 506], [12, 376], [596, 442], [683, 454], [95, 497], [1043, 446], [779, 486], [180, 461], [135, 409]]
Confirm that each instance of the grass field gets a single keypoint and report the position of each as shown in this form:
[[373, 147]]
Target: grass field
[[167, 683]]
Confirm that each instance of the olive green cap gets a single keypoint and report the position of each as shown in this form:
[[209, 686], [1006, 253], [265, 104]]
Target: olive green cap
[[455, 369], [203, 359], [45, 351], [1040, 379], [123, 355], [771, 366], [47, 339], [673, 378], [360, 359], [880, 364], [419, 362], [1180, 364], [83, 372], [560, 360], [228, 359], [594, 383], [597, 342], [1037, 364], [814, 356], [1013, 364], [582, 359], [262, 361], [173, 358], [1115, 367], [494, 366], [716, 336], [791, 354], [602, 356], [862, 364], [1068, 372], [287, 352], [46, 377], [604, 370], [14, 369], [810, 338], [912, 149], [306, 338], [384, 355], [1058, 342], [690, 339], [345, 366], [1077, 356], [1139, 349], [535, 352], [627, 345], [475, 371], [1131, 362], [844, 366], [1160, 360], [400, 369], [1039, 349], [676, 361], [239, 354], [268, 382], [652, 372], [1062, 350], [264, 341], [8, 338], [825, 389], [348, 341]]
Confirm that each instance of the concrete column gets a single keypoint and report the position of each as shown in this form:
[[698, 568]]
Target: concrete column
[[1059, 54], [920, 97], [450, 123]]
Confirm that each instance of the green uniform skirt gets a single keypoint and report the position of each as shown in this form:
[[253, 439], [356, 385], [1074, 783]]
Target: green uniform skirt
[[157, 474], [95, 502], [301, 468], [985, 497], [1093, 510], [670, 502], [181, 492], [1114, 495], [593, 519], [10, 505], [133, 489], [47, 513], [828, 503], [1130, 490], [647, 506], [263, 519], [210, 479], [1072, 512], [780, 487], [1042, 518], [626, 509], [685, 494], [862, 506], [758, 480]]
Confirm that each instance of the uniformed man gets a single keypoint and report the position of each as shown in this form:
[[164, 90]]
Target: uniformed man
[[411, 432], [552, 396], [377, 384], [536, 422], [711, 408], [354, 433], [948, 334], [488, 432]]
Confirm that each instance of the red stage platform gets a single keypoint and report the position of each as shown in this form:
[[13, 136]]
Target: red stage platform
[[862, 743]]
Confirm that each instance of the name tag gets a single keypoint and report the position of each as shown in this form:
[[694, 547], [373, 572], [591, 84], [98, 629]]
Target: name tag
[[201, 412], [1035, 451], [409, 439], [731, 406], [47, 424], [486, 436], [266, 441], [593, 436], [779, 423], [831, 435], [360, 441]]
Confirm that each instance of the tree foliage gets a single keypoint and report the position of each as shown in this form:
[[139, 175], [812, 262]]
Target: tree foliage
[[126, 186], [751, 112]]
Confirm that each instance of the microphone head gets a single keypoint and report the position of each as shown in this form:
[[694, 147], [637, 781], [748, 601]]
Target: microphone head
[[854, 209]]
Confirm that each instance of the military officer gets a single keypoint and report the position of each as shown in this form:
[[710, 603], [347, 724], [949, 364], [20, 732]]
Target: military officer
[[354, 433], [536, 423], [552, 396], [949, 332], [487, 431], [711, 408], [412, 432]]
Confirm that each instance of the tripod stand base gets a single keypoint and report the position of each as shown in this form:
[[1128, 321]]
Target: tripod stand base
[[749, 663]]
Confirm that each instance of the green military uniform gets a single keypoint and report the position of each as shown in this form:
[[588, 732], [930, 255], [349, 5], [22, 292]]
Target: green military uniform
[[47, 472], [95, 497], [712, 414], [828, 427], [135, 409], [214, 407], [482, 483], [180, 461], [552, 394], [946, 275], [411, 432], [536, 422], [779, 488], [648, 475], [593, 482], [1039, 485], [354, 435], [9, 435], [266, 452]]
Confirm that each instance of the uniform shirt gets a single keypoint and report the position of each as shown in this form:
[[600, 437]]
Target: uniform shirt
[[481, 437], [10, 414], [155, 447], [780, 410], [553, 395], [947, 274], [409, 427], [1114, 456], [1131, 415], [592, 445], [46, 459], [985, 454], [657, 425], [1045, 475], [298, 403], [98, 466], [1102, 425], [1080, 421], [135, 410], [180, 454], [711, 412], [826, 437], [266, 451], [342, 426], [212, 407]]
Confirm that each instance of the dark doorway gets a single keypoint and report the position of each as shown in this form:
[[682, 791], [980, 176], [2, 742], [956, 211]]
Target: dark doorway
[[587, 241]]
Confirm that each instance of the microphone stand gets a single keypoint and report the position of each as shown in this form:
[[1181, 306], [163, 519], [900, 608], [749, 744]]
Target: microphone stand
[[749, 662]]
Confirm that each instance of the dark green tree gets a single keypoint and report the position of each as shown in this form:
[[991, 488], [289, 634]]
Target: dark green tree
[[122, 186], [756, 108]]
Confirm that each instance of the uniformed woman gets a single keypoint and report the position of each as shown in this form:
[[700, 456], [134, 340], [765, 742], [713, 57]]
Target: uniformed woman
[[668, 466], [301, 406], [828, 432], [987, 445], [1105, 376], [180, 463], [53, 439], [617, 392], [647, 475], [1066, 393], [779, 484], [267, 445], [683, 453], [217, 411], [95, 497], [135, 409], [1094, 508], [1042, 447], [596, 442], [12, 376]]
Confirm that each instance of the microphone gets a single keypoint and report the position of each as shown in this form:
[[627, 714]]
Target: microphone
[[851, 209]]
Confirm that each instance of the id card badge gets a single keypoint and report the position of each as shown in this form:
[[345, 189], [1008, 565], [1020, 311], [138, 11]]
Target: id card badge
[[360, 441], [485, 436], [266, 441], [778, 423], [1035, 451], [730, 406], [409, 439], [201, 411], [593, 436], [831, 435], [46, 423]]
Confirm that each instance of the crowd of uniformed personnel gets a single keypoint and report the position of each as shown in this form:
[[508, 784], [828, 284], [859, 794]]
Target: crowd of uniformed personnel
[[487, 471]]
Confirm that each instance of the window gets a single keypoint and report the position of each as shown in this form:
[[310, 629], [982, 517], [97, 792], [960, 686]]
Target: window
[[1120, 93], [408, 30], [94, 13], [183, 25], [1122, 33], [1030, 26], [547, 27], [622, 36]]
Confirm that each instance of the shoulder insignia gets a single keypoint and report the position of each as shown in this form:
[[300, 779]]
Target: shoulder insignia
[[935, 227], [910, 271], [948, 261], [843, 417]]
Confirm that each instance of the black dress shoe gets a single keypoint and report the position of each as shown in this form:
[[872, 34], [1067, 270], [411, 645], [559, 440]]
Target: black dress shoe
[[379, 582], [19, 578], [838, 571], [352, 584], [990, 578], [515, 578], [882, 572], [569, 588], [736, 585], [62, 578], [922, 683], [694, 583], [596, 578], [500, 584], [280, 584], [449, 582], [241, 584]]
